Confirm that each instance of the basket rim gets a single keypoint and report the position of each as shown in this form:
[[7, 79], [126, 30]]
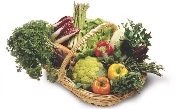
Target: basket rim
[[97, 99]]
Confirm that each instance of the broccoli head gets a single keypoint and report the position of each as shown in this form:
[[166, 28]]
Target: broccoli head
[[86, 70]]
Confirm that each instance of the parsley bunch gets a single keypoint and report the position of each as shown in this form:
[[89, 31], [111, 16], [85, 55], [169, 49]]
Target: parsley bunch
[[131, 81], [32, 47]]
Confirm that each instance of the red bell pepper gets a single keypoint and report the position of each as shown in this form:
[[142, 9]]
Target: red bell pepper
[[103, 47]]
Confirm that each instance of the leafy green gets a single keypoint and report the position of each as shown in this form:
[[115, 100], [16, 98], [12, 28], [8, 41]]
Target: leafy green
[[77, 85], [104, 34], [87, 49], [101, 72], [52, 74], [32, 47], [134, 35], [85, 52], [117, 57], [131, 81], [107, 60], [84, 86]]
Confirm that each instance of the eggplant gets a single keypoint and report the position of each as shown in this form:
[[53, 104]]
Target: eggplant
[[60, 55]]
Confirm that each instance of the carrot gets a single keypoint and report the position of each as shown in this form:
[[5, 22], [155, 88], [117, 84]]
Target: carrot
[[65, 49], [72, 62]]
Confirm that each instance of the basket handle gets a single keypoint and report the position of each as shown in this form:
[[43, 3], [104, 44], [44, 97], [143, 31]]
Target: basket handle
[[62, 71]]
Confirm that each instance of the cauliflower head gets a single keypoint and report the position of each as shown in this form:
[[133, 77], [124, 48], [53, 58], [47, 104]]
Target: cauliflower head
[[86, 70]]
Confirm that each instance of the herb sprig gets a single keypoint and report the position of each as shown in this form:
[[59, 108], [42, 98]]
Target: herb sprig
[[143, 67]]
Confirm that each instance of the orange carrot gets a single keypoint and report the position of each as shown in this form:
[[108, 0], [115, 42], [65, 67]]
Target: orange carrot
[[65, 49], [72, 62]]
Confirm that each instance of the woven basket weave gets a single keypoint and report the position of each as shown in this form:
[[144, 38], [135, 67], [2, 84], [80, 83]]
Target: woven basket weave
[[89, 97]]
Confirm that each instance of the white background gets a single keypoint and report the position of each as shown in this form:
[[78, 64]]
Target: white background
[[18, 91]]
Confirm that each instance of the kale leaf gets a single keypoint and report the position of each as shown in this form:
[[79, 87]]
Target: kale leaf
[[134, 36]]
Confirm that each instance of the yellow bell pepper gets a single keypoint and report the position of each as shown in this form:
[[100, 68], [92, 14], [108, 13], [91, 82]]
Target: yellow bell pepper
[[116, 70]]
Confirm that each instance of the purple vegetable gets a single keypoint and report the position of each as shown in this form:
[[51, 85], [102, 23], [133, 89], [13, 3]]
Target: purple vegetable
[[60, 56], [62, 21], [66, 34], [139, 53], [64, 29]]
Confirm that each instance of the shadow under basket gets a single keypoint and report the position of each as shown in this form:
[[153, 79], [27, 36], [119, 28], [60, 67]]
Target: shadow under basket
[[86, 96]]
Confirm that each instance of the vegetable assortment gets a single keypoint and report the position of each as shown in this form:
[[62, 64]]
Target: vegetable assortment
[[110, 62]]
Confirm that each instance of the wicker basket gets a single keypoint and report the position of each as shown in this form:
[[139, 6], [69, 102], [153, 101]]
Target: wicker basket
[[89, 97]]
